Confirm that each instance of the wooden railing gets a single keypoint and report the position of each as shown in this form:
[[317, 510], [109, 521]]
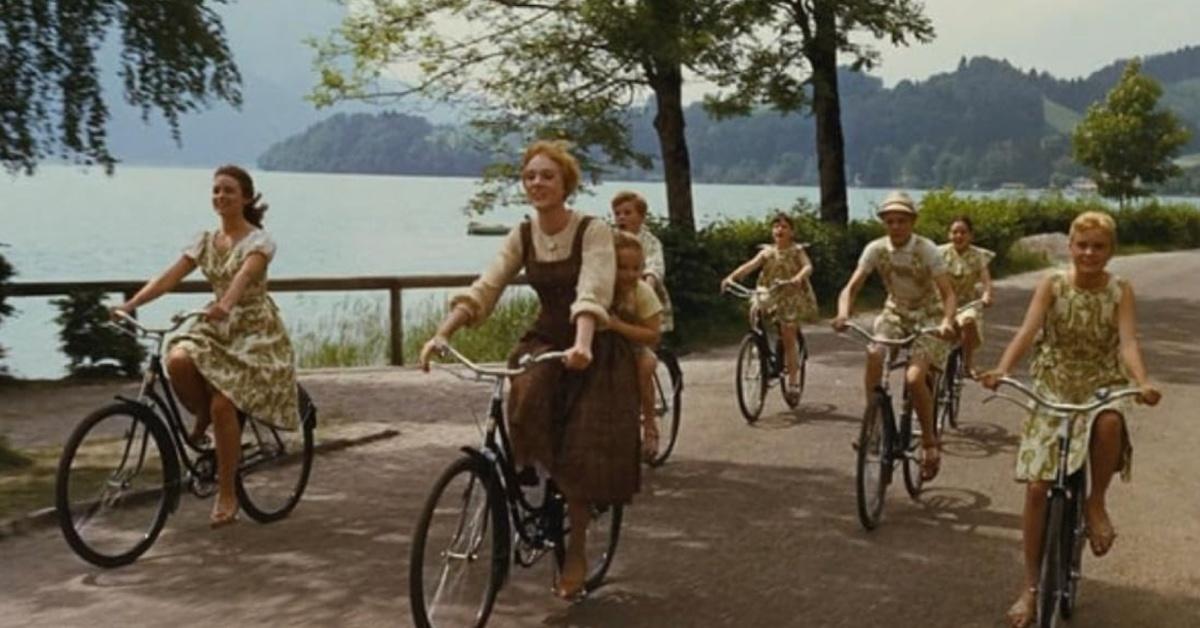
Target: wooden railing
[[394, 285]]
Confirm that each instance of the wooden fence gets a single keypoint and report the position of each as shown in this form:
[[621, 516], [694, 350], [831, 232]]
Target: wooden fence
[[394, 285]]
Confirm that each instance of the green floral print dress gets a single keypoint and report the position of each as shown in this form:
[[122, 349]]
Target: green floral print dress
[[965, 271], [1077, 352], [791, 303], [248, 356]]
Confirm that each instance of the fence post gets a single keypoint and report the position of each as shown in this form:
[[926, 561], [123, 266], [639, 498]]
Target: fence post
[[396, 321]]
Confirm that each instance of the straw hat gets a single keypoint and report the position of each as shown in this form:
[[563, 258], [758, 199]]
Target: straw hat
[[897, 201]]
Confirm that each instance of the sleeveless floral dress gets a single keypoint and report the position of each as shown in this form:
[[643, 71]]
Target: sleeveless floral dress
[[789, 304], [1077, 352], [248, 356], [965, 271]]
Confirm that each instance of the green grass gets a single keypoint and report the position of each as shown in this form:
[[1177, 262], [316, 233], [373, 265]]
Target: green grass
[[489, 342], [1060, 118], [11, 458], [26, 480]]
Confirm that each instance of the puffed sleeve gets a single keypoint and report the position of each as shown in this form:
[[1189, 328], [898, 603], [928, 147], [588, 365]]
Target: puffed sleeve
[[870, 256], [594, 290], [932, 258], [196, 246], [259, 242], [481, 297], [647, 302], [985, 255]]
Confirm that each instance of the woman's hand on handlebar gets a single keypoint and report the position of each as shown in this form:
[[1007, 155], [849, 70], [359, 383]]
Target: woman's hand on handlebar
[[840, 323], [216, 312], [991, 379], [124, 308], [987, 299], [578, 357], [432, 346], [725, 282], [1148, 394], [947, 330]]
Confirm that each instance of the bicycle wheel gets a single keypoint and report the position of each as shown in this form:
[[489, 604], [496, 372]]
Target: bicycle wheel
[[1073, 525], [950, 392], [871, 472], [458, 554], [117, 481], [910, 442], [276, 464], [603, 533], [668, 391], [1051, 575], [801, 366], [751, 383]]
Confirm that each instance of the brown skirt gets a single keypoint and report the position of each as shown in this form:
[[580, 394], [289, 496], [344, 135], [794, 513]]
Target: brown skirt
[[580, 425]]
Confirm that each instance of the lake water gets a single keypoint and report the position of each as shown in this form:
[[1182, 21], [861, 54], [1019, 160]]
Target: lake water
[[70, 224]]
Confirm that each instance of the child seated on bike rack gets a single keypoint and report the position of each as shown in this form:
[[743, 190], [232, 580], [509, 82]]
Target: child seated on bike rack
[[629, 213], [918, 296], [1082, 326], [636, 314], [967, 266], [783, 262]]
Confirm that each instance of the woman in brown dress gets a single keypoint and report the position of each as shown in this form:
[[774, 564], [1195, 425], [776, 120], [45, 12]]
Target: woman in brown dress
[[577, 419]]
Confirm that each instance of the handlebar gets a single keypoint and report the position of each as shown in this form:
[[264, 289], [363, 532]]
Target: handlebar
[[139, 329], [524, 362], [969, 305], [1103, 397], [739, 290], [868, 337]]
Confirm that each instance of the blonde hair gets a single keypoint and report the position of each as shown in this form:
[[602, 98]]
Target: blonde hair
[[622, 302], [627, 241], [556, 151], [1095, 220], [629, 196]]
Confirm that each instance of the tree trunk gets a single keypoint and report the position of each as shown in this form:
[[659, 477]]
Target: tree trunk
[[677, 166], [827, 112]]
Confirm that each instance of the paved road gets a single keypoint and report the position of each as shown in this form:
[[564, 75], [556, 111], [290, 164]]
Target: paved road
[[745, 526]]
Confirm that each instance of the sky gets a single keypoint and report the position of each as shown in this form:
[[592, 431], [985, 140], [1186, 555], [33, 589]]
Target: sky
[[1068, 38]]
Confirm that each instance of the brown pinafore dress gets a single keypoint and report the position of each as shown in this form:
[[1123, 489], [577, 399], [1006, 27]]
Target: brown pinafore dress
[[582, 426]]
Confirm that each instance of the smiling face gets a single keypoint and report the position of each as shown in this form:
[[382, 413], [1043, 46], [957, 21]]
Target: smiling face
[[960, 235], [629, 268], [781, 233], [542, 179], [628, 218], [228, 199], [899, 226], [1090, 250]]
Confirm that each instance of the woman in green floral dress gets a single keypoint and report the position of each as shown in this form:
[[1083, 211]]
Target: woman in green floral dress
[[784, 262], [238, 357], [1082, 326], [967, 269]]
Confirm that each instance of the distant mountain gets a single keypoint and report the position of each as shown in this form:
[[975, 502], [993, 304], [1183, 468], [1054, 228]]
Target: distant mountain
[[267, 40], [983, 124]]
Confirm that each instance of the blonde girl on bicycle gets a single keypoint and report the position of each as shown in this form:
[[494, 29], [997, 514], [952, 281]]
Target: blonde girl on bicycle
[[1083, 330], [637, 315], [783, 262]]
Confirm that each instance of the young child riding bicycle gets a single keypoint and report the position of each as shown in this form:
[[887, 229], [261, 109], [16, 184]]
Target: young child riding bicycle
[[1082, 326], [783, 263], [919, 295], [967, 266], [636, 314], [629, 213]]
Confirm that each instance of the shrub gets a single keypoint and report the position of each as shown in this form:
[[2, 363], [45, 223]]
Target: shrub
[[6, 309], [94, 348]]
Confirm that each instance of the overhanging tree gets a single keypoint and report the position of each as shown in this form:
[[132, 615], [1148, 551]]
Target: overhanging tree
[[569, 69], [798, 68], [173, 59], [1127, 141]]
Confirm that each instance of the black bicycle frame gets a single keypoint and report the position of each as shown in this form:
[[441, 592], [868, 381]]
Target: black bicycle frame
[[164, 407]]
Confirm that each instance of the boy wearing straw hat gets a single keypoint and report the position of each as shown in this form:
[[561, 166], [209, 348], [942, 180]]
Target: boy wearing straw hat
[[919, 295]]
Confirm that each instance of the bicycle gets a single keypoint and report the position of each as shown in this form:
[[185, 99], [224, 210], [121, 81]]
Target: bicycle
[[1064, 533], [761, 363], [881, 441], [120, 477], [950, 385], [668, 394], [478, 519]]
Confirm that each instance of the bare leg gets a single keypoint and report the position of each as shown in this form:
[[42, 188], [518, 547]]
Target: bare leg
[[791, 357], [191, 388], [1107, 443], [646, 363], [922, 401], [574, 573], [228, 441], [1033, 521], [969, 338]]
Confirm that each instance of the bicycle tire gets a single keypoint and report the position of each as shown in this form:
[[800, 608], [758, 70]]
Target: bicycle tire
[[601, 548], [1074, 526], [910, 443], [750, 368], [1050, 573], [133, 423], [873, 439], [253, 482], [952, 391], [480, 526], [667, 404]]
